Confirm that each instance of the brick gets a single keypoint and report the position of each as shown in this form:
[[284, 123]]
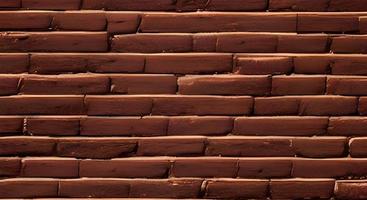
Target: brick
[[123, 126], [362, 106], [11, 125], [50, 167], [191, 125], [321, 22], [98, 148], [349, 44], [347, 126], [13, 63], [307, 43], [202, 105], [347, 85], [9, 84], [247, 42], [152, 43], [94, 188], [298, 5], [263, 65], [347, 5], [123, 22], [358, 147], [319, 147], [312, 64], [280, 126], [217, 22], [189, 63], [65, 84], [53, 41], [264, 168], [363, 25], [204, 42], [125, 168], [352, 66], [236, 189], [165, 188], [59, 63], [52, 126], [215, 167], [296, 188], [298, 85], [20, 20], [26, 146], [306, 105], [329, 168], [45, 105], [351, 189], [249, 146], [143, 84], [24, 188], [10, 4], [51, 5], [225, 85], [118, 105], [9, 167], [130, 5], [171, 146], [79, 21], [221, 5]]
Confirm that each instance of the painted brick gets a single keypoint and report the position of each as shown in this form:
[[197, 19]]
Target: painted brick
[[263, 65], [11, 125], [9, 167], [52, 126], [50, 167], [221, 5], [347, 85], [13, 63], [319, 147], [347, 5], [51, 5], [298, 85], [349, 44], [26, 146], [308, 43], [298, 5], [313, 64], [363, 25], [128, 5], [358, 147], [260, 168], [9, 84], [347, 126], [351, 66], [351, 189], [23, 20], [321, 22], [80, 21], [247, 42], [362, 106], [10, 4], [24, 188], [123, 22]]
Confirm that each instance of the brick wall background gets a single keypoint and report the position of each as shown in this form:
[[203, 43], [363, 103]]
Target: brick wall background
[[244, 99]]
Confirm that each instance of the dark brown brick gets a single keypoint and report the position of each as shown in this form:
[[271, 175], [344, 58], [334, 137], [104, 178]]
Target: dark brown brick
[[51, 5], [24, 20], [79, 21], [13, 63], [52, 126], [347, 85], [347, 126], [263, 65], [326, 22], [264, 168], [10, 4], [358, 147], [9, 167], [130, 5], [319, 147], [298, 85], [247, 42], [26, 146], [312, 64], [298, 5], [351, 189], [11, 125], [308, 43], [347, 5], [50, 167], [349, 44], [221, 5], [123, 22], [25, 188], [9, 84]]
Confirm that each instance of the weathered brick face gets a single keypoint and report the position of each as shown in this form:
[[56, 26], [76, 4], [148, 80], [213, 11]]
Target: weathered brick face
[[188, 99]]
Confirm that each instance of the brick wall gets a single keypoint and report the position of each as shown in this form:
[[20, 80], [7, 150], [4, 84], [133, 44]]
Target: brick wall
[[244, 99]]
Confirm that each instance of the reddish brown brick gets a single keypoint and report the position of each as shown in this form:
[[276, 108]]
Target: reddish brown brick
[[171, 146], [319, 147], [263, 65], [189, 63], [25, 188], [306, 105], [51, 5], [165, 188], [280, 126], [221, 5], [363, 25], [349, 66], [204, 42], [46, 105], [53, 41], [298, 85], [347, 85], [127, 5], [219, 22], [351, 189], [347, 5], [298, 5], [10, 4], [9, 167], [225, 85], [326, 22], [125, 168], [347, 126], [11, 125], [9, 84], [191, 125], [123, 22], [302, 188], [26, 146], [54, 126], [236, 189], [362, 106], [202, 105], [23, 20], [143, 84], [13, 63], [308, 43], [312, 64], [50, 167], [358, 147], [123, 126], [79, 21], [247, 42], [249, 146], [99, 148], [94, 188], [152, 43], [214, 167], [349, 44], [264, 168], [65, 84], [118, 105]]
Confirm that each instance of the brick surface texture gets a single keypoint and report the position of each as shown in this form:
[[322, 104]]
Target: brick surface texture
[[183, 99]]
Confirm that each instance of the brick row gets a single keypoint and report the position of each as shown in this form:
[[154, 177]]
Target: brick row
[[228, 146], [184, 5], [241, 42], [182, 167]]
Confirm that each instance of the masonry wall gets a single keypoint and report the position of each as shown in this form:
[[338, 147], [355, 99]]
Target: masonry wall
[[228, 99]]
